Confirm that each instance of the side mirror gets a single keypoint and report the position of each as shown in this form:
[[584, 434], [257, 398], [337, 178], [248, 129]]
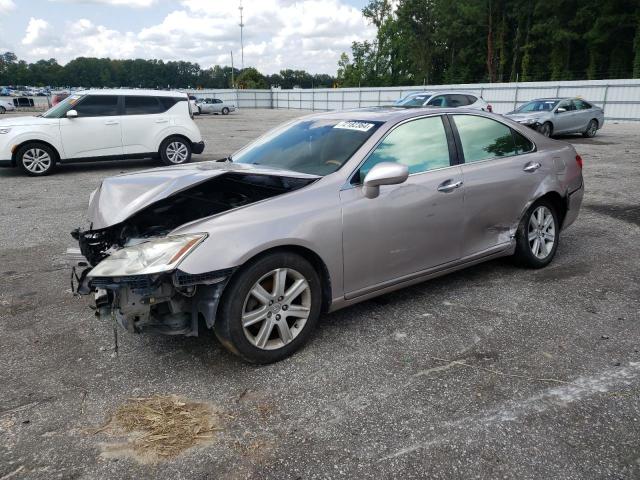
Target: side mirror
[[385, 173], [72, 114], [561, 110]]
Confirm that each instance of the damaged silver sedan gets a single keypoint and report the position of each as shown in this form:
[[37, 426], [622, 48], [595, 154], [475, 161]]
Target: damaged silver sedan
[[321, 213]]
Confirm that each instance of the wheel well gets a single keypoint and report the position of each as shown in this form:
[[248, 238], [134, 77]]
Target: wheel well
[[41, 142], [172, 136], [596, 120], [315, 260], [559, 202]]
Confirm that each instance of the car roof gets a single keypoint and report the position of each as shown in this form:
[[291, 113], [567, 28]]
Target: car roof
[[441, 92], [386, 113], [131, 91]]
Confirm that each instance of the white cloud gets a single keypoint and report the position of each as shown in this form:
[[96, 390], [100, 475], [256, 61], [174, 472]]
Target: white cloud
[[6, 6], [116, 3], [278, 34]]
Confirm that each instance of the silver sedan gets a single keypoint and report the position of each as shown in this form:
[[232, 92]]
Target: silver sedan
[[556, 116], [214, 105], [319, 214]]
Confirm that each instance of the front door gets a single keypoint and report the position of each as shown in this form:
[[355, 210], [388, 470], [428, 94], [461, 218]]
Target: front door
[[96, 131], [501, 173], [409, 227]]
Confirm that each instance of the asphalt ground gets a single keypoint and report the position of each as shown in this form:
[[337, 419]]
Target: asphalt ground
[[491, 372]]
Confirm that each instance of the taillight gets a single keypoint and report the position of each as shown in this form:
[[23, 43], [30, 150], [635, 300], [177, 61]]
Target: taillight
[[579, 161], [489, 108]]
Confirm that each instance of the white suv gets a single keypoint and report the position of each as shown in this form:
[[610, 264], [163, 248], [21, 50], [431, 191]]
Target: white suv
[[102, 125]]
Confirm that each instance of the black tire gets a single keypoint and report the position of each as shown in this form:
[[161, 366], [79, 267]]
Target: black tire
[[225, 111], [2, 110], [524, 254], [175, 151], [546, 129], [199, 111], [32, 160], [228, 326], [591, 130]]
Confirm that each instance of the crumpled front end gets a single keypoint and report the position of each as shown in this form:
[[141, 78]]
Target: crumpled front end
[[132, 266]]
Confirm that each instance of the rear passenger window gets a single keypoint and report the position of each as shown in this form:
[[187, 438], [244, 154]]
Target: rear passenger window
[[97, 106], [483, 138], [456, 100], [523, 144], [471, 99], [168, 102], [142, 105], [419, 144]]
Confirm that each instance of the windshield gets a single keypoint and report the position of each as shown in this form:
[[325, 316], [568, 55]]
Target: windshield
[[59, 110], [317, 147], [413, 100], [538, 106]]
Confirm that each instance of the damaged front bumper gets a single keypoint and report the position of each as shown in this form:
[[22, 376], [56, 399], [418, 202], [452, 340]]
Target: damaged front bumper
[[171, 303]]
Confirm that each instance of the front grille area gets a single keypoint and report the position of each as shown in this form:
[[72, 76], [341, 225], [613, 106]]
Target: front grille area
[[134, 282]]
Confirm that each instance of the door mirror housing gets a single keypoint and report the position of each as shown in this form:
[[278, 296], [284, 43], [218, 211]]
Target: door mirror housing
[[72, 114], [561, 110], [384, 173]]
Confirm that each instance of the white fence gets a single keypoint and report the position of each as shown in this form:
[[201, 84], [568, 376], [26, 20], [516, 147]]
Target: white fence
[[619, 98]]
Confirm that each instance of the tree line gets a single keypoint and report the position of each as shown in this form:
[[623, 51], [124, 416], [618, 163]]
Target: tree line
[[469, 41], [140, 73]]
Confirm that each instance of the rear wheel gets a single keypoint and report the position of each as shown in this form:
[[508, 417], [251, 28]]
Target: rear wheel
[[546, 129], [175, 151], [2, 109], [591, 130], [537, 236], [270, 308], [36, 159], [225, 111]]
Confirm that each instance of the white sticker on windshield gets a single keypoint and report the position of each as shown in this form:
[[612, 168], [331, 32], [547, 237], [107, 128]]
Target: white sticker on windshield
[[351, 125]]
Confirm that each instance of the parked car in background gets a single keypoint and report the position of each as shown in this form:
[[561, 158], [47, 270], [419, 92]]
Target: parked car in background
[[215, 105], [6, 106], [555, 116], [56, 98], [102, 125], [452, 99], [319, 214]]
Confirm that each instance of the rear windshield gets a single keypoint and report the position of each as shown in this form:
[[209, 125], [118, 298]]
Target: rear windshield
[[317, 147]]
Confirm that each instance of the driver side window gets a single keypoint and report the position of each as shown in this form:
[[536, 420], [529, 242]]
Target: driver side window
[[438, 101], [419, 144]]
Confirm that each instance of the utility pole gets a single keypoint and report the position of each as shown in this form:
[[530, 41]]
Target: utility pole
[[233, 83], [241, 37]]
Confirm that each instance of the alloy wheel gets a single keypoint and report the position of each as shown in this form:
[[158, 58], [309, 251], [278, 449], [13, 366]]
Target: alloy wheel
[[541, 232], [545, 130], [593, 128], [276, 309], [177, 152], [36, 160]]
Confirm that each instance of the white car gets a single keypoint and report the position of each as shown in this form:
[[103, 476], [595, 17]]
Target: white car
[[444, 99], [6, 106], [102, 125], [215, 105]]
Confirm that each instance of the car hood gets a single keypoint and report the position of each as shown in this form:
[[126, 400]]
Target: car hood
[[26, 121], [119, 197], [528, 115]]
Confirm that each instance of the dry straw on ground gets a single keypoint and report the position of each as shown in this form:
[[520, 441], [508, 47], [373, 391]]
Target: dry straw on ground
[[163, 426]]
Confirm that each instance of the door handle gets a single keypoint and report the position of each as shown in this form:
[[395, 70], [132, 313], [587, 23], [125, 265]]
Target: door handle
[[531, 167], [162, 120], [111, 122], [447, 186]]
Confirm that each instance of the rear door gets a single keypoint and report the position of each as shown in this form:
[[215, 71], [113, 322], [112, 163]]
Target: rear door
[[565, 122], [409, 227], [96, 131], [501, 172], [143, 120], [584, 114]]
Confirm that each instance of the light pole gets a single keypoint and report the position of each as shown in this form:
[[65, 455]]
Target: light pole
[[241, 38]]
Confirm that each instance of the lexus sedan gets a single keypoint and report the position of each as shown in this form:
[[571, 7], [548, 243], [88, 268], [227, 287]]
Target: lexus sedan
[[321, 213], [556, 116]]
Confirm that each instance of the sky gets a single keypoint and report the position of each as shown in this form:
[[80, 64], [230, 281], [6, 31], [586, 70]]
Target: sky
[[278, 34]]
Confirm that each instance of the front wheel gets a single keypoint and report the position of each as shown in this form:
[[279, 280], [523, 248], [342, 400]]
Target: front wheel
[[175, 151], [36, 159], [225, 111], [270, 308], [537, 236], [2, 110], [546, 129], [591, 130]]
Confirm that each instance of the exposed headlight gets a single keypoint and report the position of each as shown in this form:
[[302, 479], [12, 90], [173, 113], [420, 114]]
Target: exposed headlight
[[527, 121], [155, 256], [5, 130]]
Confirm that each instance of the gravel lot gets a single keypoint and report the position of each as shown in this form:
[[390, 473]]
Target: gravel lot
[[492, 372]]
